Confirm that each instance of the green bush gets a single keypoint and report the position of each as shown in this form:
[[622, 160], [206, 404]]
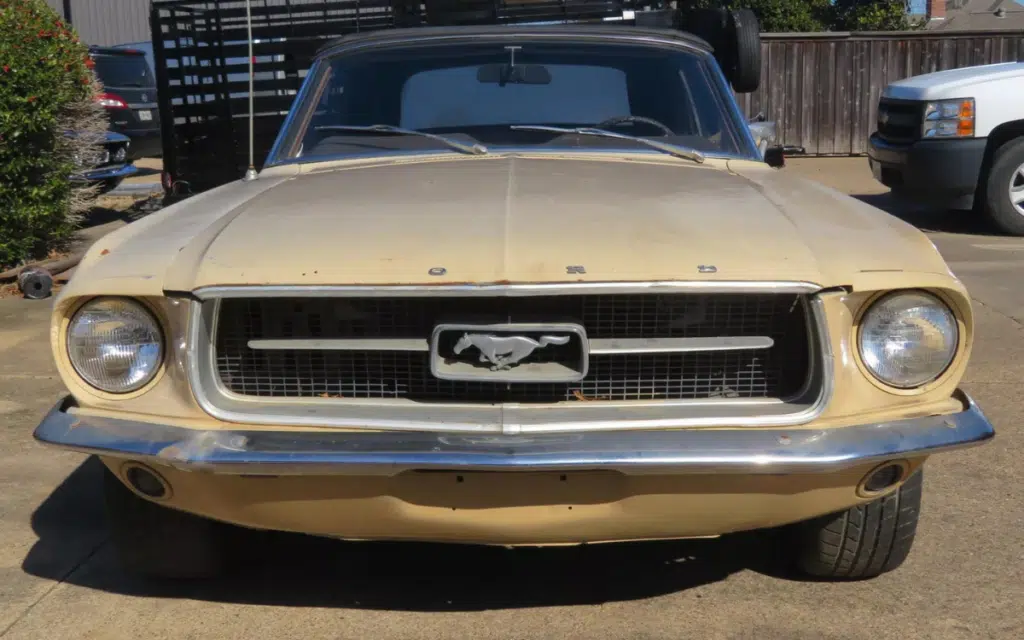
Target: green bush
[[46, 89]]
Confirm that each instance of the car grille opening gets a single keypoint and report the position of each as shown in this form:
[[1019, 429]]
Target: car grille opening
[[900, 120], [779, 371]]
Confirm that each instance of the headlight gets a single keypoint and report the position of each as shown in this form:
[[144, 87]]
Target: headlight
[[120, 154], [949, 119], [115, 344], [908, 339]]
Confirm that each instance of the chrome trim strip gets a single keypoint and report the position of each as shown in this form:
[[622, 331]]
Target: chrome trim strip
[[599, 346], [298, 103], [509, 290], [606, 346], [342, 344], [407, 415], [103, 173], [735, 451]]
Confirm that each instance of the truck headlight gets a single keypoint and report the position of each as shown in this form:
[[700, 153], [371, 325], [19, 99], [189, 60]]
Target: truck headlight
[[949, 119], [908, 339], [115, 344]]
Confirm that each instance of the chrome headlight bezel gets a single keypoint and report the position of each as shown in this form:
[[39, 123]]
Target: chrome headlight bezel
[[141, 355], [948, 326]]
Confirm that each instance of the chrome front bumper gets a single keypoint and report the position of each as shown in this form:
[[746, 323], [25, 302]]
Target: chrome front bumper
[[681, 451], [106, 173]]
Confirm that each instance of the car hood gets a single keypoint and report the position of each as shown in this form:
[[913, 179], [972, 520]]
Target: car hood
[[518, 219], [951, 83]]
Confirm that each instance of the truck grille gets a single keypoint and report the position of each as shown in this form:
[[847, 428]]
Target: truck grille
[[900, 120], [780, 370]]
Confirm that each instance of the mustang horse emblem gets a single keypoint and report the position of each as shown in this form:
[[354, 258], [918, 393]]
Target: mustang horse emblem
[[503, 352]]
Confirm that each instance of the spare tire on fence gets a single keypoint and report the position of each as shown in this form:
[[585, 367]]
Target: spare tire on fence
[[744, 36], [735, 37]]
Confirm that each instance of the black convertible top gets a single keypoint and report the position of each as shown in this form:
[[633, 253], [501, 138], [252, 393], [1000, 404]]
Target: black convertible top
[[611, 31]]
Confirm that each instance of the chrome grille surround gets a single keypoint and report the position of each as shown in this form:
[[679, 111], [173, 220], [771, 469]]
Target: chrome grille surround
[[506, 413]]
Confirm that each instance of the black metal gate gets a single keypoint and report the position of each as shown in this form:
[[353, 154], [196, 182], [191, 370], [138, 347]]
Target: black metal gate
[[201, 55]]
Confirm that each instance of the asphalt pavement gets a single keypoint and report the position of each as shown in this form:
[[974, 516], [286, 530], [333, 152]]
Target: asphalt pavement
[[964, 578]]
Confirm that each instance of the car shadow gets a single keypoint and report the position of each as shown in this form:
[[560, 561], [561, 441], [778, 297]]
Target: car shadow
[[295, 570], [100, 214], [929, 219]]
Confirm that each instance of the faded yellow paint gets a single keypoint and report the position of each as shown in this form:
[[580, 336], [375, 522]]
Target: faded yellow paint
[[514, 508], [503, 218], [517, 219], [856, 398]]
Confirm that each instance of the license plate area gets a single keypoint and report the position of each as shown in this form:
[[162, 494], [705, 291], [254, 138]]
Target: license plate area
[[502, 489], [145, 115]]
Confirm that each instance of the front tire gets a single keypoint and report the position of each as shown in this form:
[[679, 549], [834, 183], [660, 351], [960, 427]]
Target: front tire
[[1004, 188], [159, 542], [864, 541]]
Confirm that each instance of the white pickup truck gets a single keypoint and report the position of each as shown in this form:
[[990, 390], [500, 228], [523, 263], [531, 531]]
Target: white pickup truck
[[955, 139]]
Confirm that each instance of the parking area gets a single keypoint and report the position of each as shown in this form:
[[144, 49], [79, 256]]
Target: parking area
[[964, 578]]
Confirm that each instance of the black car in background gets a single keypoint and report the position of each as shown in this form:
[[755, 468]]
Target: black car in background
[[110, 167], [129, 97]]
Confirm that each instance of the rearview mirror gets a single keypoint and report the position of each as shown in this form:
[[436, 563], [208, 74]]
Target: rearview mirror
[[502, 74]]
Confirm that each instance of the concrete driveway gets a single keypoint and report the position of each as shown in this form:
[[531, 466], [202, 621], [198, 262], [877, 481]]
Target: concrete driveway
[[964, 579]]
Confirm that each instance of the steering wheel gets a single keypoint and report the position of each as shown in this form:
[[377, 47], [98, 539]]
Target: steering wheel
[[617, 120]]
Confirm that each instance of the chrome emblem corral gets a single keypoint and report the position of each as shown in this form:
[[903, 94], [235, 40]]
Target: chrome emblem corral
[[501, 352], [510, 352], [145, 98], [437, 271], [707, 268]]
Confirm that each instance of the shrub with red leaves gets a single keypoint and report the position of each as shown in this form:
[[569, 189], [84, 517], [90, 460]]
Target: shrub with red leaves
[[44, 78]]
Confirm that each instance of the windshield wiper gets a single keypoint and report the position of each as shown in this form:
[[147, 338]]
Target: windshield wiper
[[474, 149], [671, 149]]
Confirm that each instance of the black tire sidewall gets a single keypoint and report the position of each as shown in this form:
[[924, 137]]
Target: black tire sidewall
[[1000, 210], [744, 45], [816, 556]]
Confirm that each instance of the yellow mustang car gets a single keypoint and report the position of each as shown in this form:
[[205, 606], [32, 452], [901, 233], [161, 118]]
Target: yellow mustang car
[[518, 285]]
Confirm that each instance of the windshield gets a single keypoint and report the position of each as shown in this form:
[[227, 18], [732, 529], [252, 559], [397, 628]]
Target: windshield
[[124, 71], [476, 93]]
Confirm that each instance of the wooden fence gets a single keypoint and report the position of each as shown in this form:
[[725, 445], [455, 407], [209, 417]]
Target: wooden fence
[[822, 89]]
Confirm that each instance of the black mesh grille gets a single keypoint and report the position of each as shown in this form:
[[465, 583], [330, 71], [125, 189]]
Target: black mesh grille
[[900, 120], [777, 372]]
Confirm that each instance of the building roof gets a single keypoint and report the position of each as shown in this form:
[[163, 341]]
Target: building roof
[[980, 15]]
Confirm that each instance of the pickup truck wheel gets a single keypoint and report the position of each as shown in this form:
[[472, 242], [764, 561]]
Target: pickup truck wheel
[[159, 542], [863, 542], [1004, 188]]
